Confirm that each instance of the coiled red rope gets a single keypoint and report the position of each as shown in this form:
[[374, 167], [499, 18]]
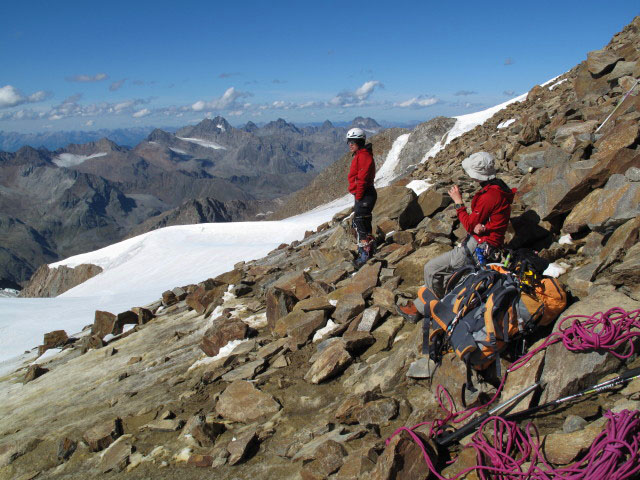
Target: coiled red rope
[[614, 453]]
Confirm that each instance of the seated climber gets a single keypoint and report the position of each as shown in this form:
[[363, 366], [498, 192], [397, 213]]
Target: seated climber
[[486, 225], [361, 176]]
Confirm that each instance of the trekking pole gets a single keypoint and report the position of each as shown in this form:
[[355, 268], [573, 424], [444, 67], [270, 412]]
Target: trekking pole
[[448, 438], [624, 378], [614, 110]]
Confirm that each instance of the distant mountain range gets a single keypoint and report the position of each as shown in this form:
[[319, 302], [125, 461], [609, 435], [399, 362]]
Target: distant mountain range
[[54, 204], [13, 141]]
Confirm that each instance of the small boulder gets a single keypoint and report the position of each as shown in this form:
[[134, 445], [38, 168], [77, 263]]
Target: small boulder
[[222, 332], [116, 457], [243, 447], [34, 371], [243, 402], [331, 362], [103, 323], [104, 434]]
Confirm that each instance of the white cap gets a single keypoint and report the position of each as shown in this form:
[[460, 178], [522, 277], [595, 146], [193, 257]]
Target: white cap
[[480, 166]]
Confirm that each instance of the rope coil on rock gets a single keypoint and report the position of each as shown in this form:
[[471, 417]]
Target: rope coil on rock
[[607, 456]]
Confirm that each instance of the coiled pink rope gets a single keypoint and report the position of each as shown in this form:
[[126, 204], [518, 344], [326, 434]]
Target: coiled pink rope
[[614, 453]]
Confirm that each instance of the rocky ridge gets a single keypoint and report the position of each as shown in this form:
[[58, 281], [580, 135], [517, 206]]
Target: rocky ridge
[[322, 370]]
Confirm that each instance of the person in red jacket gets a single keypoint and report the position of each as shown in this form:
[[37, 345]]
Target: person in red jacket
[[485, 223], [361, 176]]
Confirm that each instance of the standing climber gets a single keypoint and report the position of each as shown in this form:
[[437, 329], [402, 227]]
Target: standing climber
[[486, 226], [361, 176]]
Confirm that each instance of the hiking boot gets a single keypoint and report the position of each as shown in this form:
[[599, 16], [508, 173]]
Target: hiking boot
[[362, 258], [409, 312]]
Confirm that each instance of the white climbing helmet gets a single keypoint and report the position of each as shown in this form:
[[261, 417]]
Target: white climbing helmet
[[356, 134]]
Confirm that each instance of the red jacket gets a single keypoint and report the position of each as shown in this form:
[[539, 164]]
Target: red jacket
[[362, 172], [491, 207]]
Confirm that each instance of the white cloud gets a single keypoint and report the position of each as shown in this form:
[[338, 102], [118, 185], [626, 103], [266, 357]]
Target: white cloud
[[10, 96], [89, 123], [417, 102], [356, 98], [142, 113], [88, 78], [228, 100]]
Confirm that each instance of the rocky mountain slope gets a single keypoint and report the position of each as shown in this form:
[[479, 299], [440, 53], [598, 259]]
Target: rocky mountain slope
[[323, 371], [86, 196]]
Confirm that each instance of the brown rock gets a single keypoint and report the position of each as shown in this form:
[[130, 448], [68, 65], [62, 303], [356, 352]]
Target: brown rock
[[361, 283], [623, 135], [201, 298], [54, 339], [323, 257], [563, 448], [272, 349], [297, 284], [51, 282], [102, 435], [348, 411], [66, 448], [198, 460], [378, 412], [103, 324], [402, 459], [243, 447], [600, 62], [386, 226], [348, 307], [331, 362], [282, 325], [169, 298], [90, 341], [355, 466], [522, 378], [398, 203], [402, 237], [436, 227], [356, 342], [116, 457], [222, 332], [627, 273], [432, 201], [203, 433], [232, 277], [587, 87], [384, 298], [411, 268], [606, 207], [279, 304], [314, 303], [302, 331], [124, 318], [242, 402], [34, 371], [622, 239], [144, 315], [399, 254], [329, 457]]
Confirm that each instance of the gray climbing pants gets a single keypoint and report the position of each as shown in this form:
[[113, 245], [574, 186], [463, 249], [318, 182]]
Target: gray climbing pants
[[437, 271]]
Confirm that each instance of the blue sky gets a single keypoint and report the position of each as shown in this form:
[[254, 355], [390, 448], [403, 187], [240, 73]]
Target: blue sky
[[88, 65]]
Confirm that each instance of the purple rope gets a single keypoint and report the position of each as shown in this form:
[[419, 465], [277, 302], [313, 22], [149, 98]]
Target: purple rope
[[613, 454]]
